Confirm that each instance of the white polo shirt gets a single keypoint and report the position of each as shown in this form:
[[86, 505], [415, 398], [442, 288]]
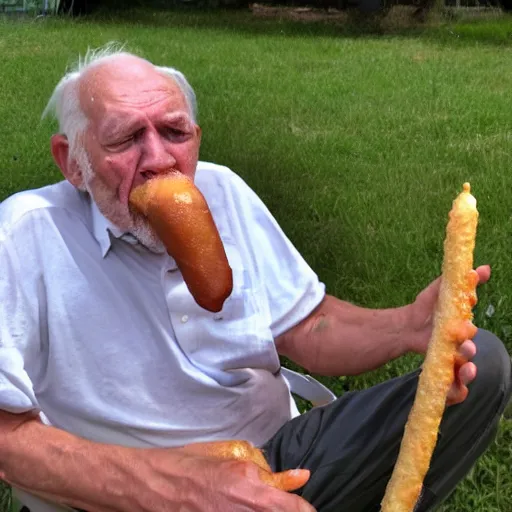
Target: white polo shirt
[[102, 336]]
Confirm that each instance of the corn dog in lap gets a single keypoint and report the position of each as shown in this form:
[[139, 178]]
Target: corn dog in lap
[[179, 214], [289, 480], [452, 326]]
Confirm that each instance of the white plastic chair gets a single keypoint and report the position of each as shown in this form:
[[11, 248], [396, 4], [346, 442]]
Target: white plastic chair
[[308, 388]]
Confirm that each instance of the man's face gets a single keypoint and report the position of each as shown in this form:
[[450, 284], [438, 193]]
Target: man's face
[[139, 126]]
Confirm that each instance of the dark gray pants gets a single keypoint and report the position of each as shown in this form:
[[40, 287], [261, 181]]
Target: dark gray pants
[[351, 445]]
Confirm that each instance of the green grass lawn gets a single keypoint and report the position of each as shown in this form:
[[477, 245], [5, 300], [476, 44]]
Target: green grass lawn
[[357, 142]]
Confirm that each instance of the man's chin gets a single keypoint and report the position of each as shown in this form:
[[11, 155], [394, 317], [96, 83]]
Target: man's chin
[[143, 232], [126, 220], [155, 246]]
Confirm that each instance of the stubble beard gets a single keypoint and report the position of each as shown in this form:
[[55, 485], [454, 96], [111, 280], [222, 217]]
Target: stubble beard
[[112, 209]]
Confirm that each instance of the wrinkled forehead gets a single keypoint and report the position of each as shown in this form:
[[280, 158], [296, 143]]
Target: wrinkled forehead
[[128, 84]]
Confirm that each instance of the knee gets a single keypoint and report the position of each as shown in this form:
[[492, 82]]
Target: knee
[[493, 364]]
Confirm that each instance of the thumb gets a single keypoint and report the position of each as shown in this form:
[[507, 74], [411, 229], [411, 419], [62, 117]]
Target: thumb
[[286, 480]]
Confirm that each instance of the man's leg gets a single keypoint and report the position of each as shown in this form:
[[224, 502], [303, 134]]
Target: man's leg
[[351, 445]]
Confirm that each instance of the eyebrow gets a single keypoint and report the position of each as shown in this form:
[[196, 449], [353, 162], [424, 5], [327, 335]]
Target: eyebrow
[[177, 118], [118, 126], [114, 127]]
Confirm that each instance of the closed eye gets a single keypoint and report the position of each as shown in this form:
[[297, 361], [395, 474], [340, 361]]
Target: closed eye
[[123, 141], [177, 134], [126, 141]]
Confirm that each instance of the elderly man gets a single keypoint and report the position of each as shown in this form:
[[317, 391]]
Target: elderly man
[[109, 369]]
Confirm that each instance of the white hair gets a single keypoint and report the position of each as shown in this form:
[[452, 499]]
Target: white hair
[[64, 103]]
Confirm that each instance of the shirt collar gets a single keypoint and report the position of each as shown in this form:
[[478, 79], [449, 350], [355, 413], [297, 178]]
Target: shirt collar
[[104, 231]]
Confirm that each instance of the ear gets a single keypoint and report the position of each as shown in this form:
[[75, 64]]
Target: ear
[[70, 169]]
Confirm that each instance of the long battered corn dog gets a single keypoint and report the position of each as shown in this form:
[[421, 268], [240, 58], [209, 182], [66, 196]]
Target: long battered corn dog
[[452, 325], [180, 216], [243, 450]]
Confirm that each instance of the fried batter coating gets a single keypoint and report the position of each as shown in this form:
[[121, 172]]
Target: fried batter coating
[[452, 325], [243, 450], [179, 214]]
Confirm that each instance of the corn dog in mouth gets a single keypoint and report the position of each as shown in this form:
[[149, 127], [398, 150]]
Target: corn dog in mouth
[[179, 214], [452, 326]]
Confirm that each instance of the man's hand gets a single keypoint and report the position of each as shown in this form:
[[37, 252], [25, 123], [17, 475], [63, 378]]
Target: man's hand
[[178, 479], [421, 318], [237, 449]]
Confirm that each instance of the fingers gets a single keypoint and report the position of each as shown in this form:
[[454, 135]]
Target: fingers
[[467, 351], [456, 395], [464, 370], [286, 480], [484, 273], [459, 390], [467, 373]]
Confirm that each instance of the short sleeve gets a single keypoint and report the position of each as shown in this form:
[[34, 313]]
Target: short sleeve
[[292, 289], [19, 336]]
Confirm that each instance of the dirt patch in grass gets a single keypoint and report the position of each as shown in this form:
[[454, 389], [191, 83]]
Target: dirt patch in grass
[[299, 13], [394, 18]]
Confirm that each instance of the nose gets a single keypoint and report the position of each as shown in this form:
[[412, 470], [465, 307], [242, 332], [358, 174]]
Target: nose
[[157, 156]]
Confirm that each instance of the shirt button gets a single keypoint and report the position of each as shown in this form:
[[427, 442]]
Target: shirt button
[[184, 319]]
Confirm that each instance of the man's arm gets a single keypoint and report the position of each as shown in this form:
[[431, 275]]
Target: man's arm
[[339, 338], [60, 467], [65, 469]]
